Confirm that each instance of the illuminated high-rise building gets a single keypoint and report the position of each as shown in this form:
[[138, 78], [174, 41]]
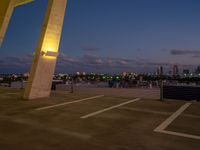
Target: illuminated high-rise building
[[175, 70]]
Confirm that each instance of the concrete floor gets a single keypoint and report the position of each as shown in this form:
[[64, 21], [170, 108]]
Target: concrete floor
[[128, 127]]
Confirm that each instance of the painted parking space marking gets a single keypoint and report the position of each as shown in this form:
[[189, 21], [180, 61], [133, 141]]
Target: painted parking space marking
[[181, 134], [67, 103], [109, 108], [169, 120], [161, 128]]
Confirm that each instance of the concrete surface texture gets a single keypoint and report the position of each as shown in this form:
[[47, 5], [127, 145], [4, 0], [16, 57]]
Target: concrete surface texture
[[121, 124], [133, 92]]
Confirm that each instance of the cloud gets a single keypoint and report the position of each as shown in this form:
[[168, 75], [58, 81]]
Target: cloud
[[99, 61], [15, 61], [121, 63], [63, 58], [196, 56], [87, 62], [15, 64], [194, 53], [90, 49]]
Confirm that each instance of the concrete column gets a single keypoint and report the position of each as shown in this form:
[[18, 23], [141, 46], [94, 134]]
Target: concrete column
[[43, 67], [6, 10]]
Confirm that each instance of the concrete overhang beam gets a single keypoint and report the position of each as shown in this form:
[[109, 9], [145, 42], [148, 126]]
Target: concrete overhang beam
[[22, 2]]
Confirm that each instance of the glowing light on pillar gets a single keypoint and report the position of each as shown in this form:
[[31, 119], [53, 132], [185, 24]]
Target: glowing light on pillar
[[50, 48], [50, 53]]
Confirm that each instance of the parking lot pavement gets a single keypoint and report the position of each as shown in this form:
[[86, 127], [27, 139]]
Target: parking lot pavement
[[188, 122], [125, 125], [123, 92]]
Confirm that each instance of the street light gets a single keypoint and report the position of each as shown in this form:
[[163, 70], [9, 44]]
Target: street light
[[49, 53]]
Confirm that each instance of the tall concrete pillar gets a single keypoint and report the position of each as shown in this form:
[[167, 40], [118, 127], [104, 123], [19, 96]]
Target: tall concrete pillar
[[6, 10], [43, 67]]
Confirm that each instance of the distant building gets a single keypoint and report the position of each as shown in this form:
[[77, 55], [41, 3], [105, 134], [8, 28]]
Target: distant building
[[175, 70], [197, 70], [170, 72], [26, 74], [159, 71], [186, 72], [124, 74]]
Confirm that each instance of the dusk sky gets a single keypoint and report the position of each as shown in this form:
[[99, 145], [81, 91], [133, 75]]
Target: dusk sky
[[109, 36]]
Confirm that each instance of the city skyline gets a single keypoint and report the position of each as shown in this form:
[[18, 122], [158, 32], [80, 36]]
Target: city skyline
[[109, 36]]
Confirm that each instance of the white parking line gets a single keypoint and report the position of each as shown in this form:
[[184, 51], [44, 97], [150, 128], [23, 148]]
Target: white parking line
[[109, 108], [13, 93], [161, 128], [169, 120], [67, 103], [181, 134]]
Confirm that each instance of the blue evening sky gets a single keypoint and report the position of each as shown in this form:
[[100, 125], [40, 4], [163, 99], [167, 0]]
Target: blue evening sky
[[155, 31]]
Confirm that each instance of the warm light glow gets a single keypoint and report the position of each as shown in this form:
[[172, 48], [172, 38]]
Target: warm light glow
[[49, 54], [49, 57], [50, 48], [50, 43]]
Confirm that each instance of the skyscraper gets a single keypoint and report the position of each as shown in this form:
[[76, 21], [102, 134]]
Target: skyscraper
[[186, 72], [197, 71], [159, 70], [175, 70]]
